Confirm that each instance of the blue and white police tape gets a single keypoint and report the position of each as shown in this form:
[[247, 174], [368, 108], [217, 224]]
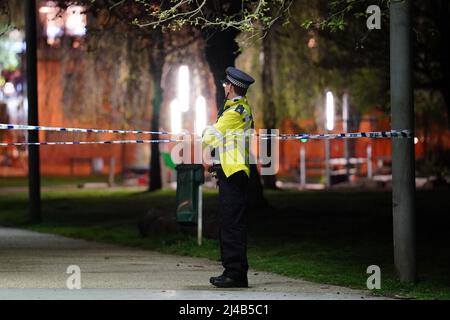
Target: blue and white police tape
[[4, 126], [373, 135], [282, 136], [303, 137], [53, 143]]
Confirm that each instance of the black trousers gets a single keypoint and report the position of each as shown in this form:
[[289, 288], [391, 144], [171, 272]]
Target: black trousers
[[233, 223]]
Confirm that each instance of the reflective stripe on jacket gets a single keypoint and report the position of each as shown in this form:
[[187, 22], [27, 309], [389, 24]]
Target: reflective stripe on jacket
[[227, 136]]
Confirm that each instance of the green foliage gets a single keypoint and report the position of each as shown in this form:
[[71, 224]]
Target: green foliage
[[337, 15], [11, 15], [8, 57], [252, 16], [368, 87], [343, 23], [11, 18], [309, 62]]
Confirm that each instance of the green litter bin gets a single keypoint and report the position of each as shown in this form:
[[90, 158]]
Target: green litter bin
[[189, 179]]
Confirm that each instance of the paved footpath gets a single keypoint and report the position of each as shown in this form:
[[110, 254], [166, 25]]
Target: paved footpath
[[34, 266]]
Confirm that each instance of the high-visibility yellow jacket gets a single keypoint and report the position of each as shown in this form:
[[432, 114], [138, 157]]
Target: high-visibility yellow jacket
[[227, 136]]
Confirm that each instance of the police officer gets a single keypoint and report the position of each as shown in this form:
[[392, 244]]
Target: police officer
[[233, 174]]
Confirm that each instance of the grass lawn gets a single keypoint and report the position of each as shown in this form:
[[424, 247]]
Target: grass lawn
[[327, 237]]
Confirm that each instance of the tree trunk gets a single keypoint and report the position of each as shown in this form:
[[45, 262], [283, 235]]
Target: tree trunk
[[221, 51], [156, 64], [268, 105]]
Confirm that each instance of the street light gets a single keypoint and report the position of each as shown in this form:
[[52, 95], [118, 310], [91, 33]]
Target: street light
[[175, 116], [75, 21], [200, 114], [57, 22], [330, 111], [345, 129], [329, 125], [183, 88]]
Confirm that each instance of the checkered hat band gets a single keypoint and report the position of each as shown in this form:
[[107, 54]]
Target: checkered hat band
[[237, 83]]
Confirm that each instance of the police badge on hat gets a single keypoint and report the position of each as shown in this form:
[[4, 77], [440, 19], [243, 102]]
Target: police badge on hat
[[238, 78]]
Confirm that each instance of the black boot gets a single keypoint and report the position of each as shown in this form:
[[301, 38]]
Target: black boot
[[227, 282]]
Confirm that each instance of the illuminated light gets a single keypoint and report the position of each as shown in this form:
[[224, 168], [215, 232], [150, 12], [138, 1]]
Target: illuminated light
[[312, 43], [48, 7], [183, 88], [76, 44], [53, 22], [57, 22], [304, 140], [175, 116], [416, 140], [200, 115], [45, 10], [9, 89], [53, 30], [75, 21], [15, 41], [330, 111]]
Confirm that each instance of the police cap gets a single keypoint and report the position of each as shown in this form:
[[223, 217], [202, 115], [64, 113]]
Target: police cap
[[238, 77]]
